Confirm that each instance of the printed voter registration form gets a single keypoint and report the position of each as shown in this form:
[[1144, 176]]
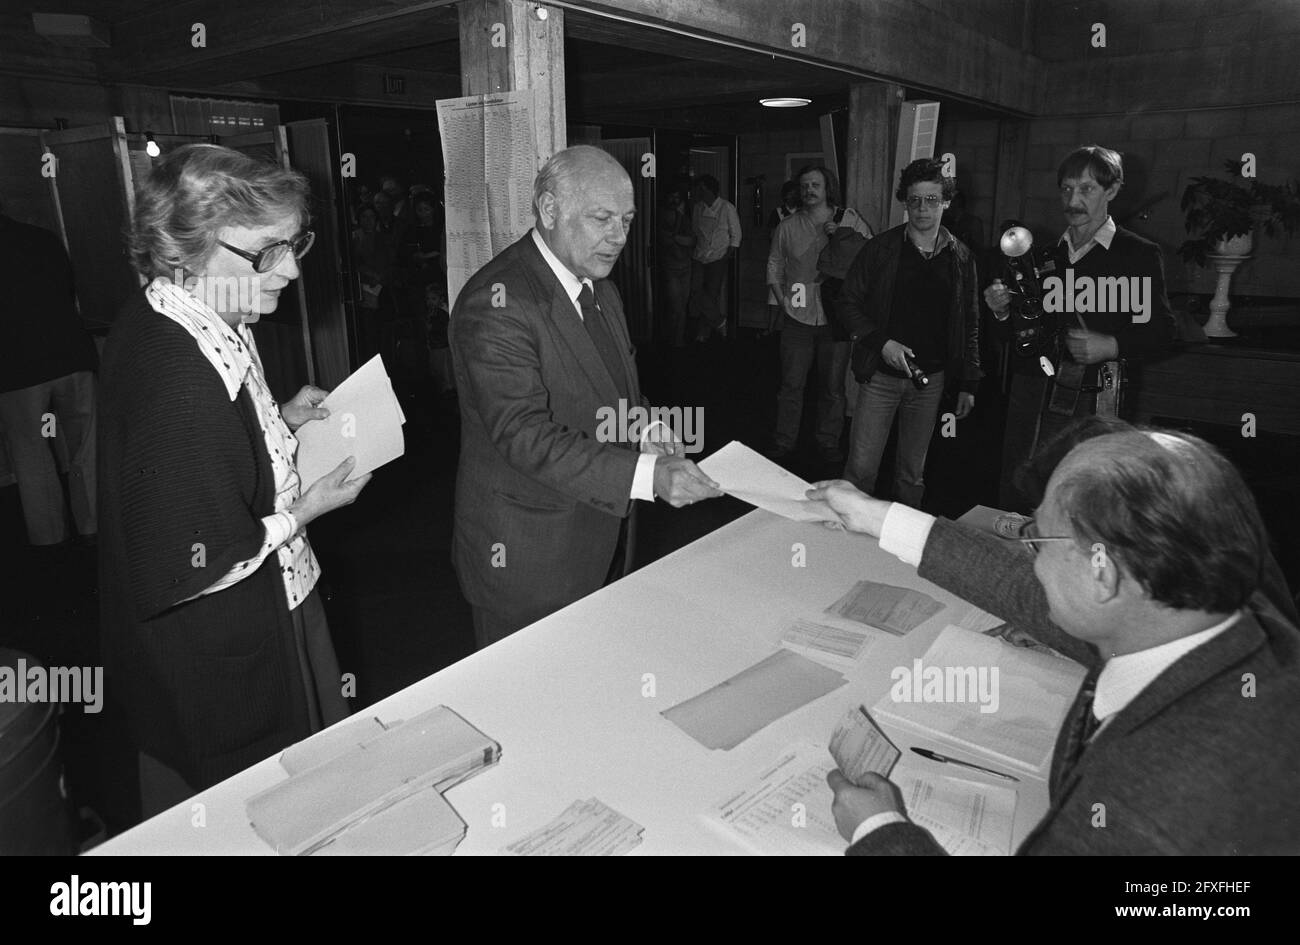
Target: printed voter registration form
[[786, 808]]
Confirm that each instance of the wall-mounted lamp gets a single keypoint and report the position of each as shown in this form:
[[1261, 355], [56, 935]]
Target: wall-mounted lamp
[[543, 13], [151, 145]]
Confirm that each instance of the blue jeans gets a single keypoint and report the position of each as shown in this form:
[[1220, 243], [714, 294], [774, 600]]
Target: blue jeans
[[707, 282], [878, 401], [802, 346]]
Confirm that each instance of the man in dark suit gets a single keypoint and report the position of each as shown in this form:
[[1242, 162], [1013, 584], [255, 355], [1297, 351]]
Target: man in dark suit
[[542, 359], [1148, 563], [1093, 248]]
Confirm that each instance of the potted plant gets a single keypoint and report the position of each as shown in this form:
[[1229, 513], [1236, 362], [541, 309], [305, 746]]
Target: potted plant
[[1226, 213]]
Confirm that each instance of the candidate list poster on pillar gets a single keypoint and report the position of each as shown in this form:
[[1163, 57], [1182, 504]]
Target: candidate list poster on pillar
[[490, 154]]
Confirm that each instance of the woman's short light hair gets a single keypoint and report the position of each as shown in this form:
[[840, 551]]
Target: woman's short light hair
[[197, 189]]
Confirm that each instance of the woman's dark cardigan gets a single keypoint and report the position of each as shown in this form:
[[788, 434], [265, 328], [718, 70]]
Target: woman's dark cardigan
[[212, 685]]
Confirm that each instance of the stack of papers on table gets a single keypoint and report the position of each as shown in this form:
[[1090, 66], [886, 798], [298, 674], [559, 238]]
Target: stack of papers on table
[[975, 692], [370, 792], [753, 478], [786, 809], [365, 421], [586, 828]]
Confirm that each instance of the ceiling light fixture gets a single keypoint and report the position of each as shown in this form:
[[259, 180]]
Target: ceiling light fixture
[[151, 145], [785, 101]]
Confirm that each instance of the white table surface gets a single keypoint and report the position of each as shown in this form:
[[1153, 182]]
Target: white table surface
[[564, 697]]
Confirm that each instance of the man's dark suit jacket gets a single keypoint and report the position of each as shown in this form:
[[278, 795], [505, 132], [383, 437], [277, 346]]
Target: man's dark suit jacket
[[535, 491], [1192, 765]]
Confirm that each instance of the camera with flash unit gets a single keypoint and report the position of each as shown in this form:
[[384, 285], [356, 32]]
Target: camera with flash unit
[[1034, 331]]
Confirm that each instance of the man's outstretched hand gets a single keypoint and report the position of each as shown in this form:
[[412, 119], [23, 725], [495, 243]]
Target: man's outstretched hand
[[678, 481], [857, 511]]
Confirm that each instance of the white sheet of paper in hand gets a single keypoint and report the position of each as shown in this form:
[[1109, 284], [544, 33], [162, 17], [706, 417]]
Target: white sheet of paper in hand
[[365, 421], [753, 478]]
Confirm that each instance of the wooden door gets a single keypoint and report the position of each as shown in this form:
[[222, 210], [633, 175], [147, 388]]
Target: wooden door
[[321, 283]]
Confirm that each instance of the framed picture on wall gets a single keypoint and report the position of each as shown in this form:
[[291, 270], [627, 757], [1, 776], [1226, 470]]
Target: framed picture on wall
[[794, 161]]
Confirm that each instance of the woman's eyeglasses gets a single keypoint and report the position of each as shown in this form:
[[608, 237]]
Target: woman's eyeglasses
[[1029, 536], [268, 257]]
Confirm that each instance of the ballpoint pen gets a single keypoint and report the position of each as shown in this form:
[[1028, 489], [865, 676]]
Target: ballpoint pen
[[935, 756]]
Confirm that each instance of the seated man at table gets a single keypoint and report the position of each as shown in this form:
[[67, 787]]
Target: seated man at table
[[1145, 562]]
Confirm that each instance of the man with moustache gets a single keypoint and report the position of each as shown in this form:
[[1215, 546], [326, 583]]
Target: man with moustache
[[1094, 247], [541, 349], [911, 306], [809, 334]]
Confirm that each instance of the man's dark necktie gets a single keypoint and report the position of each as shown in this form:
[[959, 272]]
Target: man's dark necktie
[[594, 319], [1083, 725]]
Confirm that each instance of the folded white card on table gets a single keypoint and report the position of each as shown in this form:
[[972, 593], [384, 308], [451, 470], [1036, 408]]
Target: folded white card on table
[[435, 749]]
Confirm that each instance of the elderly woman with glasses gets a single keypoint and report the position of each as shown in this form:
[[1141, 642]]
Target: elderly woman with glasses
[[215, 638]]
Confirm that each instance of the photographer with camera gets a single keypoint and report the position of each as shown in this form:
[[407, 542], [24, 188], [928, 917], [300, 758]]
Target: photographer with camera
[[1079, 315], [911, 306]]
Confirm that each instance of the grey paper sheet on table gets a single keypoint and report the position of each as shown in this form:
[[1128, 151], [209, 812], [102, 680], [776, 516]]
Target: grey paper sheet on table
[[736, 708]]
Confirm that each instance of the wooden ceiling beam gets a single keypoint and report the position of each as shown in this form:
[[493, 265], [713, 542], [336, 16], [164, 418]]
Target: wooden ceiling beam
[[888, 40], [245, 39]]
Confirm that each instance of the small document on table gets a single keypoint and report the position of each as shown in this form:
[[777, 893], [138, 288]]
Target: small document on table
[[965, 817], [753, 478], [586, 828], [835, 646], [859, 747], [786, 809], [365, 421], [736, 708], [896, 610]]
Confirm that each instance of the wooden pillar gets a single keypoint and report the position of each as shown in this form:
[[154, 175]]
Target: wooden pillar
[[873, 133], [512, 46]]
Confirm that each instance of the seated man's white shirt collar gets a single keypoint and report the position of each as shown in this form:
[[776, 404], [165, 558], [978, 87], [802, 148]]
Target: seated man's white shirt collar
[[1103, 237], [1124, 677], [572, 284]]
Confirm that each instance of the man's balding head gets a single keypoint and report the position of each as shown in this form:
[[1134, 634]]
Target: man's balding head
[[584, 206], [1170, 510]]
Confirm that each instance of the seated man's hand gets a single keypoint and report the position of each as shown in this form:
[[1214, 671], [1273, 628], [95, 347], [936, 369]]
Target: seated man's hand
[[678, 481], [660, 439], [854, 804], [857, 511]]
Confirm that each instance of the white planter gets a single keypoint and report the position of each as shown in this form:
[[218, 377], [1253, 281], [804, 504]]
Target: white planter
[[1235, 246]]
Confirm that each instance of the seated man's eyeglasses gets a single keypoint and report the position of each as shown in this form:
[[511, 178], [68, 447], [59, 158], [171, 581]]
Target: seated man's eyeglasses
[[1029, 536], [930, 200], [268, 257]]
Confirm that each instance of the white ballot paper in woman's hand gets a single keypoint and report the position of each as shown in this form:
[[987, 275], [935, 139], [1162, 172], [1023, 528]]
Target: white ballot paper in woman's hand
[[365, 421], [753, 478]]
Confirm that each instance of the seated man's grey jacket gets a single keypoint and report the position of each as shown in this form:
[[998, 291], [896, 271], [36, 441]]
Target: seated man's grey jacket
[[1205, 760]]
